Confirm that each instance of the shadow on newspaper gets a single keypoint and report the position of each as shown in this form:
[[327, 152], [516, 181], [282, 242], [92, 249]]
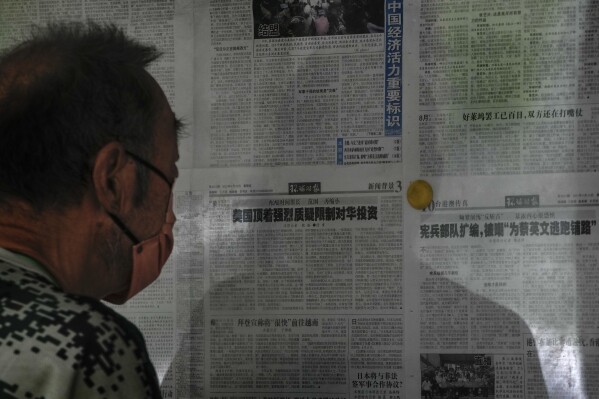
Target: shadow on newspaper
[[471, 347]]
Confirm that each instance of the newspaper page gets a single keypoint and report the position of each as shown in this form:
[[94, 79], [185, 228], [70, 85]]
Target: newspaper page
[[499, 268], [502, 288], [298, 285], [502, 87], [297, 83]]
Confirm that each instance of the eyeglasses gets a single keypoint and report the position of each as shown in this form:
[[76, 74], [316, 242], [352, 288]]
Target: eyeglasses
[[151, 167], [154, 169]]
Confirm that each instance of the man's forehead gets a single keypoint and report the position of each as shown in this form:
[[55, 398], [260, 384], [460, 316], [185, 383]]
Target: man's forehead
[[179, 126], [167, 126], [166, 145]]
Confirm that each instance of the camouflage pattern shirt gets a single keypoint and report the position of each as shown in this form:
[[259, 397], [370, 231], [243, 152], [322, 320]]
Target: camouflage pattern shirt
[[57, 345]]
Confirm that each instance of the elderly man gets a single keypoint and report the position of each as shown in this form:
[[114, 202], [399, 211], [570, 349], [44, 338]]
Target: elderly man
[[87, 166]]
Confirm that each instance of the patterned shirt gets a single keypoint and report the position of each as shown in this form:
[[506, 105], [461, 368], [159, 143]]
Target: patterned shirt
[[57, 345]]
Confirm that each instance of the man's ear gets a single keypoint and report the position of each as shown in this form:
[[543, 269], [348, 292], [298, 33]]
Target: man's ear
[[113, 178]]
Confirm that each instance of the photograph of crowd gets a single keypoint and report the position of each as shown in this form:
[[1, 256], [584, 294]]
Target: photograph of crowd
[[298, 18], [456, 376]]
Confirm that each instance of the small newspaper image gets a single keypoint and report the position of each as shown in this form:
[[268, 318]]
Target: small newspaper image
[[293, 18], [457, 375]]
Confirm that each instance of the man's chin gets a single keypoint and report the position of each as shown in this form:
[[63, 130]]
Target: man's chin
[[116, 299]]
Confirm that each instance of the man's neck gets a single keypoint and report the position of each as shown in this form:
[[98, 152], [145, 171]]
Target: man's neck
[[46, 238], [28, 232]]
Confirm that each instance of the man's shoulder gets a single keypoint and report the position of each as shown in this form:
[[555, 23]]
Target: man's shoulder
[[33, 296], [93, 345]]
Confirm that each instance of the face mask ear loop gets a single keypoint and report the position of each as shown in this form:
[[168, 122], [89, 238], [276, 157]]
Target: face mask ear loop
[[124, 228]]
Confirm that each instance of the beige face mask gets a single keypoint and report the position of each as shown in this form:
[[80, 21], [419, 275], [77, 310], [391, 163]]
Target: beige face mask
[[149, 256]]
